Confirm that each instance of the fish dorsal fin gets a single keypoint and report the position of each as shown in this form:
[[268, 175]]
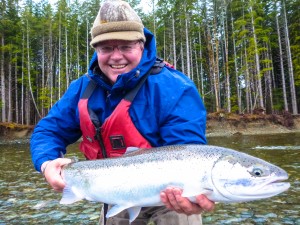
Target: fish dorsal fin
[[69, 196]]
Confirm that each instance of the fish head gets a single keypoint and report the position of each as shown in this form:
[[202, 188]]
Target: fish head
[[238, 177]]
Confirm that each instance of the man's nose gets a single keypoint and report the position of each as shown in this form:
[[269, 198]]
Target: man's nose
[[116, 53]]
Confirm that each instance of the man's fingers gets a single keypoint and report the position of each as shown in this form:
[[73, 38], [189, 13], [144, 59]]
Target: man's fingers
[[164, 199], [63, 161], [53, 173], [186, 205], [205, 203], [172, 198], [169, 199], [171, 194]]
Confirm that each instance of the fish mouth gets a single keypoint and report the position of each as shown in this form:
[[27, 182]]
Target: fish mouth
[[267, 189], [274, 187]]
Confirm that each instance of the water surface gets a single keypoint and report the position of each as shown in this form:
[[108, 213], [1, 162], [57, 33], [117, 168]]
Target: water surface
[[25, 198]]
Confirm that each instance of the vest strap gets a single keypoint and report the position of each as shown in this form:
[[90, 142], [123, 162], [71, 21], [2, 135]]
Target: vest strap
[[131, 95]]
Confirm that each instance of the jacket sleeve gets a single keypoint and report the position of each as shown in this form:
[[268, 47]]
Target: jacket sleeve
[[183, 115], [58, 129], [169, 110]]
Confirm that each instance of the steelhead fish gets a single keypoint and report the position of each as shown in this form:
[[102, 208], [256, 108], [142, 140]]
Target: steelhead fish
[[136, 179]]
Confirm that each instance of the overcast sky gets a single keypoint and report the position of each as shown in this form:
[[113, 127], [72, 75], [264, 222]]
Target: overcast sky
[[146, 5]]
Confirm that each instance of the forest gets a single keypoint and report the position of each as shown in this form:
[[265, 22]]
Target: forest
[[243, 55]]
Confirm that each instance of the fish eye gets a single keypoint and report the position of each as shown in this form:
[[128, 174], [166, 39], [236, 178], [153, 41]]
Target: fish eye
[[256, 172]]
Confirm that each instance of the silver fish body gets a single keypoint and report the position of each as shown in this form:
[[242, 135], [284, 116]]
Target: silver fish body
[[136, 179]]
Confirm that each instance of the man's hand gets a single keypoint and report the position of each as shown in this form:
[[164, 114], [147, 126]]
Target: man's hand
[[173, 200], [52, 173]]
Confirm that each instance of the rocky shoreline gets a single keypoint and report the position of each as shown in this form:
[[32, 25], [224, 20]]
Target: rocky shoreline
[[228, 127]]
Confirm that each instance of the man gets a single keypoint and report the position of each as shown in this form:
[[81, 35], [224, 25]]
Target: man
[[128, 99]]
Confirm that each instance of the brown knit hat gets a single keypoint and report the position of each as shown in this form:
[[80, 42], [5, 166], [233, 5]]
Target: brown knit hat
[[116, 20]]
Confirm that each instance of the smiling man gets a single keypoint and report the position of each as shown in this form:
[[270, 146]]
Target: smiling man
[[129, 98]]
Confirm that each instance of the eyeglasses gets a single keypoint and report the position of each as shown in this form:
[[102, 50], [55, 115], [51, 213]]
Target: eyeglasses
[[108, 49]]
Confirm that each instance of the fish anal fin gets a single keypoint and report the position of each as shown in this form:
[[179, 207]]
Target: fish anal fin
[[69, 196], [133, 213]]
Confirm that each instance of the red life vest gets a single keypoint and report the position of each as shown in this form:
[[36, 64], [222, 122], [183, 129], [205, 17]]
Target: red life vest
[[117, 133]]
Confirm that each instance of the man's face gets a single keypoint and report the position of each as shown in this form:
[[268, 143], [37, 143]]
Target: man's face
[[116, 57]]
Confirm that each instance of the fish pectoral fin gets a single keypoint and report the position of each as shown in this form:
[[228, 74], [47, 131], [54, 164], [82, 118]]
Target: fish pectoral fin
[[69, 196], [133, 213], [131, 149], [207, 191], [192, 192], [192, 197]]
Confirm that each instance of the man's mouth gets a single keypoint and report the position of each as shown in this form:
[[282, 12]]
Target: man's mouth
[[118, 66]]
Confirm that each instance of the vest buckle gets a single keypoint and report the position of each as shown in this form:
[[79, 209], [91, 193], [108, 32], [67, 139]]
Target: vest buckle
[[117, 141]]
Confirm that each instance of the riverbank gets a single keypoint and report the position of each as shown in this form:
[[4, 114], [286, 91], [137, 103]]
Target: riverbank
[[218, 124], [11, 131]]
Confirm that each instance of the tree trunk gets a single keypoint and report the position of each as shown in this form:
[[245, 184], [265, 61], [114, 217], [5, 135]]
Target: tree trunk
[[59, 56], [237, 82], [43, 86], [249, 106], [257, 63], [290, 62], [174, 42], [22, 79], [16, 91], [286, 108], [216, 69], [29, 78], [3, 101], [212, 69], [188, 63], [9, 97], [50, 74], [78, 52], [67, 63], [154, 17], [87, 45], [268, 80], [227, 83], [201, 66], [182, 58]]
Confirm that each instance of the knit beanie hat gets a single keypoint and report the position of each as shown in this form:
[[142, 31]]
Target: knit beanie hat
[[116, 20]]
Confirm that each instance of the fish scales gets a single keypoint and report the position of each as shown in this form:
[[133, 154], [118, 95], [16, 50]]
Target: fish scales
[[136, 179], [136, 166]]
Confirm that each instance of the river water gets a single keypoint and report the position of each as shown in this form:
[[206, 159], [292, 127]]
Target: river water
[[25, 198]]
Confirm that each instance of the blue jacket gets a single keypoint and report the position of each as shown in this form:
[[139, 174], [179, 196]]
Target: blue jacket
[[167, 109]]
